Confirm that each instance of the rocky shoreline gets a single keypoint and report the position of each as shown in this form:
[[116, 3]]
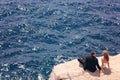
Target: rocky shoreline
[[72, 70]]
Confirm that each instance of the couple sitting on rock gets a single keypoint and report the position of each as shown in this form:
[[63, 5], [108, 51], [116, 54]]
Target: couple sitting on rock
[[91, 64]]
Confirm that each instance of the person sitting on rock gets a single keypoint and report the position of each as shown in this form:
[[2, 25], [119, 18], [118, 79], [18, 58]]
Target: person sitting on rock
[[105, 60], [90, 62]]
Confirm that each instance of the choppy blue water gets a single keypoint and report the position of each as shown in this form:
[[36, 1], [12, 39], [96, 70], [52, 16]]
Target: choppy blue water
[[35, 35]]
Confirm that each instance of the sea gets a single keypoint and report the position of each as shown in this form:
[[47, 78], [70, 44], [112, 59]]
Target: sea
[[36, 35]]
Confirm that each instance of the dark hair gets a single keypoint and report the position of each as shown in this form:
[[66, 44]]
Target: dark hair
[[92, 53]]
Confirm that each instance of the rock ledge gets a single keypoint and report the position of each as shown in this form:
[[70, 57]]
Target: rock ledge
[[72, 70]]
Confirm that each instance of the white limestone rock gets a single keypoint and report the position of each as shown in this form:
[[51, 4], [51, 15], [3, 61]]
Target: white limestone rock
[[72, 70]]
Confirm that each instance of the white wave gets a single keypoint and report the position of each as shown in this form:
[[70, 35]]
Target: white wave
[[40, 77]]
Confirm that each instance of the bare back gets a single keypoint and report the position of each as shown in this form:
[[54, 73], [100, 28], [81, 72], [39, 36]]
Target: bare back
[[104, 62]]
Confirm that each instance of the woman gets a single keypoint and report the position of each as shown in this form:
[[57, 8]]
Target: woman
[[105, 60]]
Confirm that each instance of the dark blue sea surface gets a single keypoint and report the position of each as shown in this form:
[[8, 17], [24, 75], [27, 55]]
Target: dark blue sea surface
[[36, 35]]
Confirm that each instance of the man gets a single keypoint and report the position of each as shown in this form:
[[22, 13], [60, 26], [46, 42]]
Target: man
[[90, 62]]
